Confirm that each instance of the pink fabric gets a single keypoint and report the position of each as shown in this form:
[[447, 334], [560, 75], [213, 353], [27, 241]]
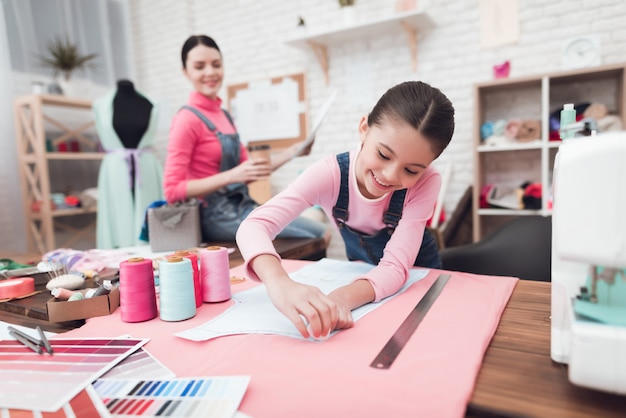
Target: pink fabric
[[319, 185], [193, 151], [433, 375]]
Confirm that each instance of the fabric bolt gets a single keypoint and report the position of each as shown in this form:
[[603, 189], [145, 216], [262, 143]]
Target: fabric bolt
[[121, 212], [319, 185], [433, 376]]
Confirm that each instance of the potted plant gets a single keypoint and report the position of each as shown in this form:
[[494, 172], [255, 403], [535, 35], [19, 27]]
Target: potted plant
[[64, 58], [348, 12]]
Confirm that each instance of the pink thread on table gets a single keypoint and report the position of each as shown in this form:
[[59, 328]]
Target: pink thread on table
[[137, 292], [215, 274]]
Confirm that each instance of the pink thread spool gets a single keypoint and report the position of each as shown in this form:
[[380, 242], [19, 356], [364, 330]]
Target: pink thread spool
[[215, 274], [197, 284], [137, 293]]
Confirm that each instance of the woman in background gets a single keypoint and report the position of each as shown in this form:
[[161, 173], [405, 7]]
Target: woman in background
[[205, 158]]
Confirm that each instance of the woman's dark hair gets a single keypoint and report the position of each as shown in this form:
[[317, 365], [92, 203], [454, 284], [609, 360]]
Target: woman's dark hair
[[192, 42], [423, 107]]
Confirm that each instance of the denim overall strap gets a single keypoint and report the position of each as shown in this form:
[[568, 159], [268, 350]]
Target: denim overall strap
[[229, 142], [340, 210], [199, 114], [394, 211], [222, 211], [370, 248]]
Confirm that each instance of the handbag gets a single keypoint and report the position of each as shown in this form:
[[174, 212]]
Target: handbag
[[174, 226]]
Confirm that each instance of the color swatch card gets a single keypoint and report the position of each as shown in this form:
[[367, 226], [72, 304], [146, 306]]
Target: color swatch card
[[214, 397], [87, 404], [45, 382], [139, 365]]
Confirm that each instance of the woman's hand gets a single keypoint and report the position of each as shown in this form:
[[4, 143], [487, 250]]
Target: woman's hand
[[293, 149], [312, 312], [251, 170]]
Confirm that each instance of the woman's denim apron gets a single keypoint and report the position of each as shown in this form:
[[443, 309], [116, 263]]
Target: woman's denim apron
[[222, 211], [369, 248]]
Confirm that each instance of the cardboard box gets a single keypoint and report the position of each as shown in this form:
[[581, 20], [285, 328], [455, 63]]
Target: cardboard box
[[60, 311]]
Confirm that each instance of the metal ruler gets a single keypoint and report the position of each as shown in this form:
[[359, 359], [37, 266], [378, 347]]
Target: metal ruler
[[398, 340]]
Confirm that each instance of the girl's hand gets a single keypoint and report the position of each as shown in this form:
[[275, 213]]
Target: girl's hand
[[305, 305], [344, 314]]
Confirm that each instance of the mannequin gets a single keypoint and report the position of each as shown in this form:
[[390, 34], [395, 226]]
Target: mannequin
[[131, 114], [130, 176]]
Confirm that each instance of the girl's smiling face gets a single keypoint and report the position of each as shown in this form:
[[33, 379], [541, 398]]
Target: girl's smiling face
[[205, 70], [393, 156]]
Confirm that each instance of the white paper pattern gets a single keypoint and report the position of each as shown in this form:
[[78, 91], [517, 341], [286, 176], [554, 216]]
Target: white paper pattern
[[254, 313]]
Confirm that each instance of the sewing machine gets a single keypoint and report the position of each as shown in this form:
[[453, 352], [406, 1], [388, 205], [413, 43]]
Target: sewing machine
[[589, 261]]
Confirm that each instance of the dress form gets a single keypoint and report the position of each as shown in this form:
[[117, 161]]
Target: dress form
[[131, 117], [131, 114]]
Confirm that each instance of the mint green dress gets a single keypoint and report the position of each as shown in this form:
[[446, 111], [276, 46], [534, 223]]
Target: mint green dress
[[120, 213]]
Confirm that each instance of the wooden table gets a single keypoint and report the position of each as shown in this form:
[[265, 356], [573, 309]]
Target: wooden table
[[519, 379], [31, 311]]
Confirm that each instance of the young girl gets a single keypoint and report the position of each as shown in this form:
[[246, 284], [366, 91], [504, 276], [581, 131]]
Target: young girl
[[380, 195], [205, 158]]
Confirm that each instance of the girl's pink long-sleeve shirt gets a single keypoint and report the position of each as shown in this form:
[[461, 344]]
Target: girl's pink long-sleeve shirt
[[193, 151], [319, 185]]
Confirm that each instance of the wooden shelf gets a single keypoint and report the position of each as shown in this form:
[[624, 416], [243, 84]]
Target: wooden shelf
[[75, 155], [409, 22], [68, 212], [510, 147], [54, 100], [533, 97], [509, 212], [32, 113]]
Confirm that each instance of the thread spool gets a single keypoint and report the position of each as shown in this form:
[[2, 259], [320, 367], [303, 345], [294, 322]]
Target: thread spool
[[177, 298], [137, 294], [76, 296], [61, 293], [215, 274], [197, 284]]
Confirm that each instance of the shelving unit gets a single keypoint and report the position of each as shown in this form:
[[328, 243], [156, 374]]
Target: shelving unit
[[411, 22], [533, 98], [68, 119]]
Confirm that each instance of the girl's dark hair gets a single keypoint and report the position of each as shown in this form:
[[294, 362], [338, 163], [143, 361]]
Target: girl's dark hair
[[192, 42], [423, 107]]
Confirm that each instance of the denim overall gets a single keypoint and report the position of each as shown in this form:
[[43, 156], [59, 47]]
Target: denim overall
[[369, 248], [222, 211]]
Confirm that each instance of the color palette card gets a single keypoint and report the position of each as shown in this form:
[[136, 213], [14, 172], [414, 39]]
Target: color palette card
[[45, 382], [214, 397], [139, 365], [87, 404]]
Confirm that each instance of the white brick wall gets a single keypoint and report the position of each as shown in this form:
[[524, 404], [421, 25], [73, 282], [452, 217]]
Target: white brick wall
[[251, 35]]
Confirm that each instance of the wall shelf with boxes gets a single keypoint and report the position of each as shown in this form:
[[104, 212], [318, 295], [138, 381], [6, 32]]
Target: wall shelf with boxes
[[502, 166], [56, 148], [411, 22]]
